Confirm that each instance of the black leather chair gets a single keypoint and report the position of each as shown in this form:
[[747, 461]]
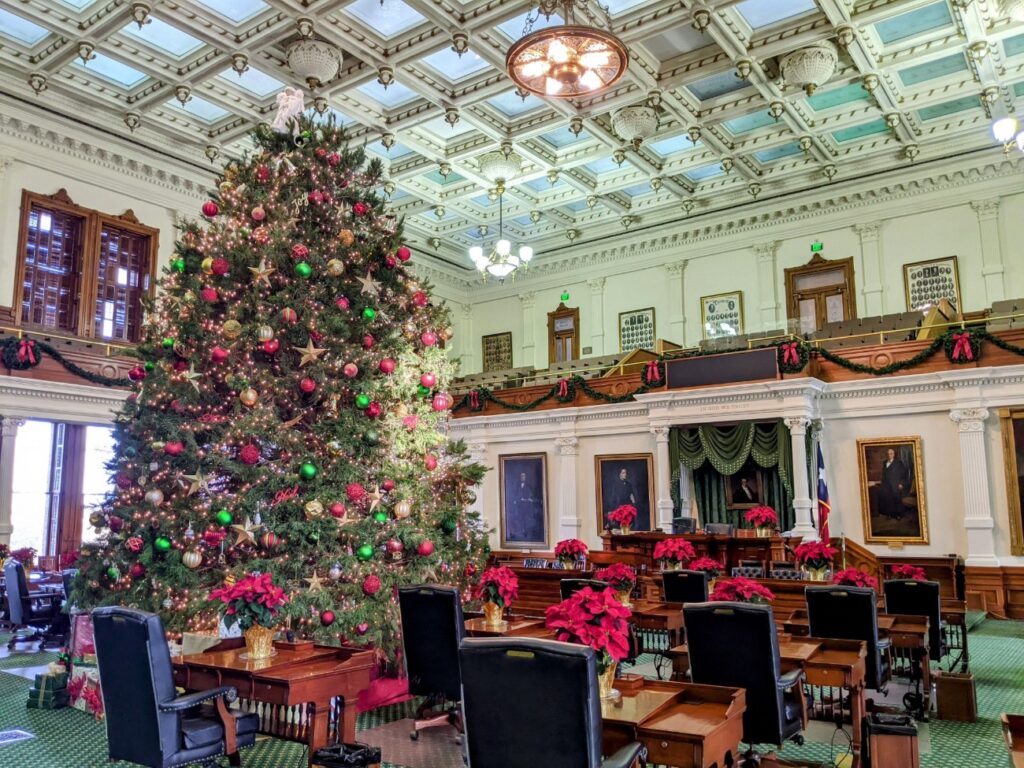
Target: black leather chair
[[737, 645], [719, 529], [685, 586], [851, 613], [147, 722], [432, 628], [569, 587], [37, 612], [919, 598], [531, 702]]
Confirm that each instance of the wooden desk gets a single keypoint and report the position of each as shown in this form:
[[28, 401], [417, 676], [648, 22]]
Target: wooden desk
[[682, 725], [301, 687], [744, 545], [1013, 734], [480, 627], [660, 617]]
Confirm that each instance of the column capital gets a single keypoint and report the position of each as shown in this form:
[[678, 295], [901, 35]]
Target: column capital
[[675, 269], [660, 434], [869, 230], [467, 310], [476, 449], [797, 426], [528, 298], [766, 250], [567, 446], [969, 419], [597, 284], [986, 209], [10, 425], [6, 161]]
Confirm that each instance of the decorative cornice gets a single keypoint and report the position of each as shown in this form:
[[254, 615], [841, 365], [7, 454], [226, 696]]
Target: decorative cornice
[[969, 419]]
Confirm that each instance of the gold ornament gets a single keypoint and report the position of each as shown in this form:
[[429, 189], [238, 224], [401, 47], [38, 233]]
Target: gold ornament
[[246, 532], [309, 353], [181, 350], [335, 267], [249, 397], [225, 186], [188, 297], [265, 333], [335, 448], [157, 445], [403, 509], [207, 265], [230, 579], [346, 237], [232, 329], [314, 509], [154, 497], [449, 333], [192, 559]]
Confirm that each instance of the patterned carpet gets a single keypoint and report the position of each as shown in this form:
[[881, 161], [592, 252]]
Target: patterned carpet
[[70, 739]]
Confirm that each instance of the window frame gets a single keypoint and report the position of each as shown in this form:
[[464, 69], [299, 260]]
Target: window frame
[[87, 280]]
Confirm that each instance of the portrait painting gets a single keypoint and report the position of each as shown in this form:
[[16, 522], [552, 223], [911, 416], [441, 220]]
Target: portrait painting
[[524, 501], [1011, 423], [892, 490], [625, 479], [745, 488]]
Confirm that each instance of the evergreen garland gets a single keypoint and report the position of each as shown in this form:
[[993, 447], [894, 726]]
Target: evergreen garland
[[20, 354]]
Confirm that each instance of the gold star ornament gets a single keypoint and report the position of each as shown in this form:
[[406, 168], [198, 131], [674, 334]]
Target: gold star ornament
[[309, 353], [196, 482], [246, 532], [315, 583], [369, 285], [262, 273]]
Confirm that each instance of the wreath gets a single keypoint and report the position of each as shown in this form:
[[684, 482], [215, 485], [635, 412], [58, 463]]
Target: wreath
[[565, 390], [20, 354], [792, 356], [961, 347]]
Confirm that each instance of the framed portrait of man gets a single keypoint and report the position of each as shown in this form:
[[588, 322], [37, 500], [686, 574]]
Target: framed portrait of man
[[524, 501], [892, 490], [745, 488], [624, 479]]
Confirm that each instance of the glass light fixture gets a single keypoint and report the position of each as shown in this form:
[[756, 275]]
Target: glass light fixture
[[502, 260]]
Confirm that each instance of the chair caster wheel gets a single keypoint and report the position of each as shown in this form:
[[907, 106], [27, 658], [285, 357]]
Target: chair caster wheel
[[798, 740], [414, 735]]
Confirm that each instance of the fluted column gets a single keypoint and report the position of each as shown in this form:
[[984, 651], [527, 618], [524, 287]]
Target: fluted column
[[977, 504], [597, 316], [466, 341], [663, 480], [8, 431], [767, 277], [871, 267], [802, 503], [477, 453], [991, 249], [676, 308], [528, 301], [569, 521]]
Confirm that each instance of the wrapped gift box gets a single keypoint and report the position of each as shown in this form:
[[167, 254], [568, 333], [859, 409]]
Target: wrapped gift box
[[43, 699], [84, 689], [50, 681]]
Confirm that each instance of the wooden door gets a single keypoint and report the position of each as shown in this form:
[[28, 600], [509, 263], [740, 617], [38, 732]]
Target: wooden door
[[820, 292], [563, 334]]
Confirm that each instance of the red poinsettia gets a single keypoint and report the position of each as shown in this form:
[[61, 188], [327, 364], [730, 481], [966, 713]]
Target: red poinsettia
[[69, 558], [708, 564], [570, 550], [815, 554], [852, 577], [906, 571], [677, 550], [618, 575], [624, 515], [498, 585], [741, 590], [253, 600], [761, 516], [24, 555], [595, 619]]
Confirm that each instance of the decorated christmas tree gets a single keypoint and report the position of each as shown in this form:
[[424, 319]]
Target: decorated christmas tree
[[289, 409]]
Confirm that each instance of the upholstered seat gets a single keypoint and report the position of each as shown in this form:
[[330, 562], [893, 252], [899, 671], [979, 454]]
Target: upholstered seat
[[569, 587], [851, 613], [685, 586], [35, 611]]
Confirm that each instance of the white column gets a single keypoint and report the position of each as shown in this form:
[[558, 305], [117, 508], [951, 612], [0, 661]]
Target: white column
[[597, 317], [663, 480], [991, 249], [767, 278], [477, 454], [871, 267], [981, 547], [8, 432], [676, 308], [528, 301], [467, 341], [569, 521], [802, 504]]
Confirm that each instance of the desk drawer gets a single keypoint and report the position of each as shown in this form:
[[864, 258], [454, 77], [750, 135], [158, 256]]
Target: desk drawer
[[663, 749], [825, 676], [270, 694]]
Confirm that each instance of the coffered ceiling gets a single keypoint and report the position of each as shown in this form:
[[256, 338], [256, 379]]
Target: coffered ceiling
[[915, 81]]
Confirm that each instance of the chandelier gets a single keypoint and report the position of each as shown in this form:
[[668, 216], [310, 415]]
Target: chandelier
[[501, 261], [315, 61], [1005, 128], [569, 60], [634, 124], [810, 67]]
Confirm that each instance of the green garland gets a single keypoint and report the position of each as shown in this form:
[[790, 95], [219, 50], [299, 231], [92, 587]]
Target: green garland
[[20, 354]]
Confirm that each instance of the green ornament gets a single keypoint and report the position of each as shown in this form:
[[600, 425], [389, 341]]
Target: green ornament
[[306, 134], [178, 264], [422, 391], [372, 436], [448, 525], [302, 269], [307, 471], [365, 552], [313, 536], [369, 313], [564, 296], [162, 544], [224, 517], [168, 342], [150, 366], [380, 517], [362, 401], [113, 573]]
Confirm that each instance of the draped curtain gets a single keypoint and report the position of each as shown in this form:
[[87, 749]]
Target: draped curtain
[[713, 453]]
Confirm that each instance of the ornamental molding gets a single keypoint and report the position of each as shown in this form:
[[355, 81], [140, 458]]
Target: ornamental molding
[[969, 419], [35, 398], [568, 446]]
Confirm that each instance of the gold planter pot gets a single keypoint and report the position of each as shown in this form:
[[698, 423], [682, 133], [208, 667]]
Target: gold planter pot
[[492, 614], [815, 574], [626, 530], [763, 533], [623, 595], [671, 565], [259, 642], [606, 681]]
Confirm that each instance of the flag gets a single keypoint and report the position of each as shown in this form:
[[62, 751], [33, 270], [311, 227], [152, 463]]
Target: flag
[[823, 506]]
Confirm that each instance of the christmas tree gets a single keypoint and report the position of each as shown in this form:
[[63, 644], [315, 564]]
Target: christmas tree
[[288, 410]]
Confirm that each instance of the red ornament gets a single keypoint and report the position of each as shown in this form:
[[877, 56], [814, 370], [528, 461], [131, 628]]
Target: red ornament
[[374, 409], [134, 544], [341, 302], [420, 299], [430, 462], [327, 618], [351, 370], [210, 209], [174, 447], [321, 152], [307, 385], [393, 546], [403, 253], [316, 197], [333, 159], [137, 373], [368, 341], [429, 338], [262, 173], [124, 480], [269, 540], [271, 346], [218, 354], [389, 261], [428, 380], [354, 491], [137, 571], [249, 454], [388, 485], [220, 266], [426, 548], [337, 510], [360, 208], [470, 569], [258, 213], [289, 315], [362, 629], [371, 585], [442, 401], [299, 251], [209, 294], [115, 523], [180, 365], [261, 235]]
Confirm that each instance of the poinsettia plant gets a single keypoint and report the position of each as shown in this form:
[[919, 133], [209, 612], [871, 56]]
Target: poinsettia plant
[[24, 555], [69, 558], [815, 554], [498, 585], [907, 571], [595, 619], [252, 601], [673, 550], [619, 576], [623, 516], [5, 551], [571, 550], [853, 577], [741, 590], [707, 564], [762, 517]]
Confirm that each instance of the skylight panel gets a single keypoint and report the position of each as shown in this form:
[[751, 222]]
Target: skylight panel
[[112, 70], [201, 108], [453, 67], [20, 29], [387, 19], [764, 13], [235, 10], [163, 36], [255, 82], [394, 95]]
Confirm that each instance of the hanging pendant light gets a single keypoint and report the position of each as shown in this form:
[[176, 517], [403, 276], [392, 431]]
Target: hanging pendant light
[[501, 261], [569, 60]]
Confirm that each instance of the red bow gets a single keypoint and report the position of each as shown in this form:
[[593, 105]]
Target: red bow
[[563, 387], [790, 354], [474, 399], [26, 350], [652, 374], [962, 346]]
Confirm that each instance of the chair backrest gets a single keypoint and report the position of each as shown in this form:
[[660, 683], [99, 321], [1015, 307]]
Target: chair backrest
[[432, 628], [685, 586], [569, 587], [530, 702], [67, 577], [684, 524], [748, 571], [17, 591], [847, 613], [918, 598], [135, 666], [718, 529], [736, 644]]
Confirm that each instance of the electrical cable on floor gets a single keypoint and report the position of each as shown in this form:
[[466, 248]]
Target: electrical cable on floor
[[833, 761]]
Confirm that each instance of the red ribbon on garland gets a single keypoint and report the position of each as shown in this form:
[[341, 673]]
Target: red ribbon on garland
[[27, 351], [652, 375], [563, 387], [962, 346], [474, 399], [790, 354]]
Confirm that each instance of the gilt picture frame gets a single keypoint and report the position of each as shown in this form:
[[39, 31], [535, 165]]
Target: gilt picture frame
[[721, 315], [925, 283], [892, 489], [523, 500], [625, 478], [496, 351], [637, 329]]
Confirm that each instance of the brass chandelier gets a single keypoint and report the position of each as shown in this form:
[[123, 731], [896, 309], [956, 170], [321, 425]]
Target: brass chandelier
[[569, 60]]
